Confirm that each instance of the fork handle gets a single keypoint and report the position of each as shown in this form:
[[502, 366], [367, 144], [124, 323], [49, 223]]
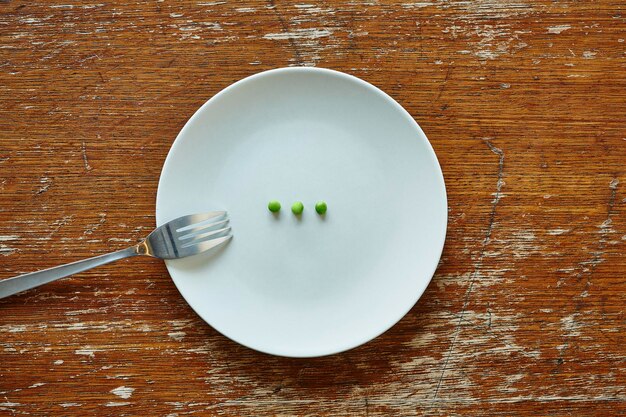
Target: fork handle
[[34, 279]]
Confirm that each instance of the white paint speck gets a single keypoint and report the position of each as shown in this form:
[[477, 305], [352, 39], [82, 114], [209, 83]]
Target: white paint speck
[[558, 29], [103, 309], [37, 384], [570, 326], [87, 351], [29, 20], [178, 336], [589, 54], [417, 5], [116, 404], [121, 376], [6, 250], [212, 25], [299, 34], [58, 362], [66, 405], [123, 392], [118, 239], [556, 232], [13, 329]]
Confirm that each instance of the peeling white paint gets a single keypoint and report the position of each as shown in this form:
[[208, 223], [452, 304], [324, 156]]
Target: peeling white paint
[[558, 29], [202, 349], [570, 326], [93, 228], [9, 328], [117, 239], [123, 392], [494, 41], [46, 183], [211, 25], [87, 351], [521, 244], [510, 380], [606, 227], [180, 324], [6, 250], [299, 34], [85, 159], [557, 232], [116, 404], [29, 20], [417, 5], [87, 311], [178, 336], [422, 339], [58, 362], [122, 376], [66, 405]]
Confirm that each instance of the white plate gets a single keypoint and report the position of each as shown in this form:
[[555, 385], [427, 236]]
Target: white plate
[[311, 286]]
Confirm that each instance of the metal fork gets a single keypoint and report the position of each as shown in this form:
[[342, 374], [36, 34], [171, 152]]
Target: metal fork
[[179, 238]]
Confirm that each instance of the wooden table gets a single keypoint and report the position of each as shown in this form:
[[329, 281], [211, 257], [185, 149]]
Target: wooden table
[[524, 104]]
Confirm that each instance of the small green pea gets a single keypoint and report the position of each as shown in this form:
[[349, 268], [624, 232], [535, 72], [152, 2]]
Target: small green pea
[[297, 207], [274, 206], [321, 207]]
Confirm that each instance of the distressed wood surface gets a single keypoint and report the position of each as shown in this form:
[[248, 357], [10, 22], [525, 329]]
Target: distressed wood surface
[[523, 102]]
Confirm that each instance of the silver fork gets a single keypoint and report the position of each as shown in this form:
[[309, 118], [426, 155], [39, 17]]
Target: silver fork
[[179, 238]]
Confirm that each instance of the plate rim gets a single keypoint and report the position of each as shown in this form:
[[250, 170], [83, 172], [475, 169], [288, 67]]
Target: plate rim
[[431, 154]]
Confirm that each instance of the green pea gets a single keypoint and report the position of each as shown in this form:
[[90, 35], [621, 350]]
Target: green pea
[[297, 207], [274, 206], [321, 207]]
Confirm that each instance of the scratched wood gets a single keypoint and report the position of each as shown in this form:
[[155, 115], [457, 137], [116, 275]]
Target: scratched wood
[[523, 102]]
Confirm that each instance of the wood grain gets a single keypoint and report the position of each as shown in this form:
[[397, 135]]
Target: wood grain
[[523, 102]]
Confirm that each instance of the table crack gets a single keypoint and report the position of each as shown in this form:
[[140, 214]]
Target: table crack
[[479, 262], [604, 230], [285, 28]]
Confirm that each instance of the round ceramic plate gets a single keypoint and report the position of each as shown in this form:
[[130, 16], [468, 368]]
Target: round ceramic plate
[[310, 285]]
